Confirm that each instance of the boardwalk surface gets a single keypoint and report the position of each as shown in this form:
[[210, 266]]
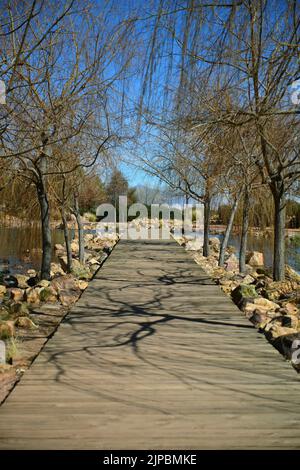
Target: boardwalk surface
[[154, 355]]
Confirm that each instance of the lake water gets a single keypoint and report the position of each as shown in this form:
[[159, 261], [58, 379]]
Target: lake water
[[20, 248], [265, 245]]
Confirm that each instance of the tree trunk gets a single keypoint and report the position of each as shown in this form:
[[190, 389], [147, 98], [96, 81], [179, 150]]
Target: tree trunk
[[80, 232], [67, 240], [279, 236], [207, 209], [227, 232], [46, 230], [244, 234]]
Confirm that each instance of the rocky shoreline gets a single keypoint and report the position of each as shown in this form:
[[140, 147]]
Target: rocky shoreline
[[272, 307], [31, 310]]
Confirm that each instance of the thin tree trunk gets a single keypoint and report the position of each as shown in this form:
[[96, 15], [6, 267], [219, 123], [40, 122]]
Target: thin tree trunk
[[227, 232], [207, 209], [279, 236], [244, 234], [67, 240], [80, 231], [46, 231]]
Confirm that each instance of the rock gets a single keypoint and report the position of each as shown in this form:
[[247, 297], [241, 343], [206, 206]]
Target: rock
[[32, 273], [231, 263], [248, 279], [32, 281], [7, 329], [93, 269], [69, 297], [82, 285], [243, 291], [33, 295], [80, 271], [274, 330], [94, 261], [56, 269], [276, 290], [289, 346], [2, 290], [59, 247], [10, 281], [255, 258], [214, 241], [88, 237], [290, 321], [263, 271], [265, 304], [194, 245], [66, 282], [75, 246], [43, 283], [17, 294], [25, 322], [48, 294], [259, 319], [288, 308], [291, 274], [22, 281], [63, 260], [19, 309]]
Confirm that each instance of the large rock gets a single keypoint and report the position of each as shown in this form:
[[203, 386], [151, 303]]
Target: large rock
[[2, 290], [43, 283], [67, 282], [7, 329], [289, 346], [25, 322], [288, 308], [80, 271], [58, 247], [274, 330], [231, 263], [75, 246], [194, 245], [56, 269], [259, 319], [255, 258], [266, 304], [291, 274], [48, 294], [214, 241], [22, 281], [276, 290], [243, 292], [82, 285], [69, 297]]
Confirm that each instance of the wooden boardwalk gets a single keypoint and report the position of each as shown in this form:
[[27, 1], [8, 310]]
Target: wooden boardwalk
[[154, 356]]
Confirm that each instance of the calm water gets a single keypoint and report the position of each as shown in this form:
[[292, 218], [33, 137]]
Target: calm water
[[265, 245], [20, 248]]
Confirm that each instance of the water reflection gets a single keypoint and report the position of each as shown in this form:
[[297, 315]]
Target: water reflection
[[20, 247]]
